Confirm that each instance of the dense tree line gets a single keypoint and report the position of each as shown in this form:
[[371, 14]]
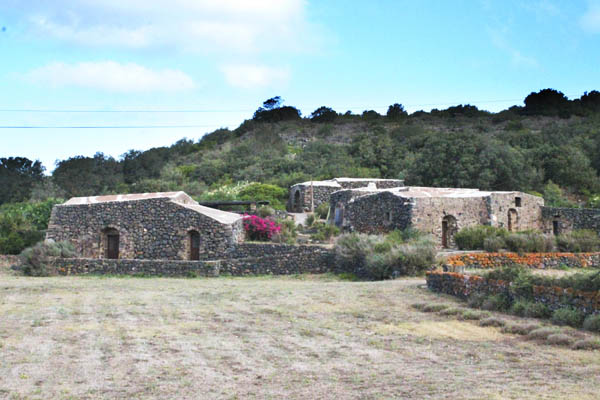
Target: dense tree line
[[549, 139]]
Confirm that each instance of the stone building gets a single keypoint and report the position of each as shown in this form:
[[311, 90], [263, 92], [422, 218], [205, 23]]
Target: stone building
[[304, 196], [168, 226], [438, 211], [557, 220]]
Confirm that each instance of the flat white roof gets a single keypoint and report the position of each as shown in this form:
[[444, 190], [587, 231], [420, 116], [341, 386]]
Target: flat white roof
[[179, 198]]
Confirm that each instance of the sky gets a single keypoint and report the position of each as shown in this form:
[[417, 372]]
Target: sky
[[84, 76]]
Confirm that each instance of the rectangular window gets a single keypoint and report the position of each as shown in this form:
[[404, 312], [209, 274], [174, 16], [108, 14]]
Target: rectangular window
[[518, 201]]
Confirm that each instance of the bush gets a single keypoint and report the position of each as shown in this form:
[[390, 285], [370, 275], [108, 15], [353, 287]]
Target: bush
[[473, 237], [36, 260], [492, 321], [541, 333], [325, 232], [587, 344], [377, 257], [265, 211], [530, 309], [578, 241], [592, 323], [287, 233], [277, 196], [529, 242], [520, 329], [496, 302], [476, 300], [493, 244], [260, 229], [322, 210], [434, 307], [310, 220], [567, 316], [559, 339]]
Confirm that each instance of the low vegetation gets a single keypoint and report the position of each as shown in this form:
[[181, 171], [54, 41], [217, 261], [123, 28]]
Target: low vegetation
[[37, 260], [399, 253], [493, 239]]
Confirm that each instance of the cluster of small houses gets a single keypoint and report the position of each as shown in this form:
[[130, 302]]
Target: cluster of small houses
[[173, 226]]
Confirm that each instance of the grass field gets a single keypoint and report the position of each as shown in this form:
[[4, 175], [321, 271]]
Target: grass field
[[237, 338]]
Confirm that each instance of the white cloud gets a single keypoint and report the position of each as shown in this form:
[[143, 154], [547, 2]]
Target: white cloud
[[517, 58], [247, 76], [198, 25], [590, 21], [111, 76]]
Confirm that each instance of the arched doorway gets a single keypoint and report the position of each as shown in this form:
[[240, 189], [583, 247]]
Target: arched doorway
[[297, 205], [111, 239], [449, 228], [513, 220], [194, 245]]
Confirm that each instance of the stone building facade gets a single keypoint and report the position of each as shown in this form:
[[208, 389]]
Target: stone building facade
[[167, 226], [439, 211], [304, 196]]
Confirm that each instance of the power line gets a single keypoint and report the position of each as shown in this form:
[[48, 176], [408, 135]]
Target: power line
[[106, 127]]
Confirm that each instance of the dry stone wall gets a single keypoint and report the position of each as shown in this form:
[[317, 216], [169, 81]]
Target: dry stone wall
[[569, 219], [251, 259], [463, 286], [148, 229], [531, 260], [378, 213]]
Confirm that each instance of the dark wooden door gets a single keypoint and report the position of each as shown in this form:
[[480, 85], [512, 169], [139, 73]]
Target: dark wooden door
[[194, 245], [112, 246]]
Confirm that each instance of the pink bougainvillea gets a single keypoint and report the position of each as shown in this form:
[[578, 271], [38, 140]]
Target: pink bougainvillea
[[260, 228]]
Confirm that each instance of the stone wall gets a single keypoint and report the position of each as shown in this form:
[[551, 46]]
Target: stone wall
[[148, 229], [7, 260], [568, 219], [378, 213], [525, 207], [254, 259], [429, 213], [463, 286], [531, 260], [321, 195]]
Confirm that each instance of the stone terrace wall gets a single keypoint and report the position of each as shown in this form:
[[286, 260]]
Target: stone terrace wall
[[553, 297], [250, 259], [570, 219], [531, 260]]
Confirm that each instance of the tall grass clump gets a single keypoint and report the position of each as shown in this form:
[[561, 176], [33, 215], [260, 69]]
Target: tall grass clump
[[529, 242], [578, 241], [474, 237], [37, 260], [384, 257]]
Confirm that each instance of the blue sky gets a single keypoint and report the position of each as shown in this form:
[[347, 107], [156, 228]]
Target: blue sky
[[215, 62]]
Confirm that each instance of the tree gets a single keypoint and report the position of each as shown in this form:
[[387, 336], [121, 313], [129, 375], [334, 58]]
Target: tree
[[18, 176], [88, 176], [273, 102], [548, 102], [323, 114], [396, 111]]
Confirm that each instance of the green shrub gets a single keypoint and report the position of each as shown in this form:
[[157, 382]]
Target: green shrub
[[578, 241], [567, 316], [324, 232], [530, 309], [473, 237], [277, 196], [472, 315], [496, 302], [288, 232], [529, 242], [265, 211], [36, 260], [434, 307], [493, 244], [592, 323], [310, 220], [322, 210], [475, 300], [451, 311], [377, 257]]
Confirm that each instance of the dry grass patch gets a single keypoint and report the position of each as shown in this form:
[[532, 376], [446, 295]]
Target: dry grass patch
[[263, 338]]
